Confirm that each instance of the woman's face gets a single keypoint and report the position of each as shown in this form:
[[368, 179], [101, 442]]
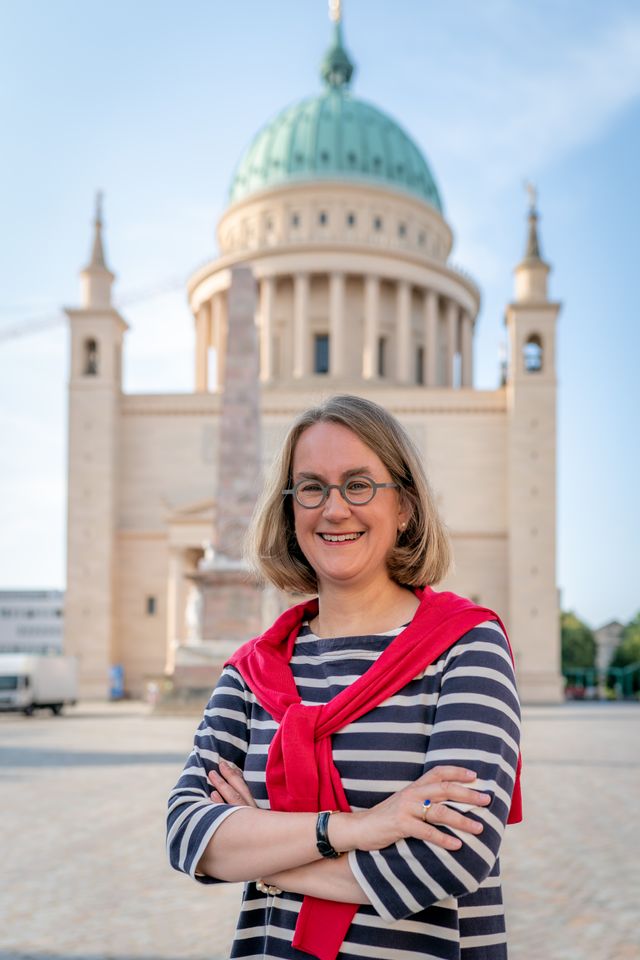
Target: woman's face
[[330, 453]]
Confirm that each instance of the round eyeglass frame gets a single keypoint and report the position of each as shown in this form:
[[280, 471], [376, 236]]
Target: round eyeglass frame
[[342, 487]]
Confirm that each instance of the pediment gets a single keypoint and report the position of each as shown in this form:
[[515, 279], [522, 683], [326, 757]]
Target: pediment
[[191, 512]]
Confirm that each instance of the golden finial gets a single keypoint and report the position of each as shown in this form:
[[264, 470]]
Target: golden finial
[[532, 193], [335, 11]]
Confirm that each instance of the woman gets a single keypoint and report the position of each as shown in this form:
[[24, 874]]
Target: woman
[[356, 763]]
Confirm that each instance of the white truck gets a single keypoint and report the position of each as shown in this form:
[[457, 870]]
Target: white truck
[[30, 681]]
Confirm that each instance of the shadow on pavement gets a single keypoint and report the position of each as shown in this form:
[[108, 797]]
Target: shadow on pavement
[[27, 757], [10, 955]]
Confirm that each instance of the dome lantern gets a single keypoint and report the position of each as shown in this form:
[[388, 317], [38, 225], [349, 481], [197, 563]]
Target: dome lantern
[[336, 69]]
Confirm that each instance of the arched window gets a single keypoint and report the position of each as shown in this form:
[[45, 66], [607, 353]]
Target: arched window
[[90, 358], [532, 354]]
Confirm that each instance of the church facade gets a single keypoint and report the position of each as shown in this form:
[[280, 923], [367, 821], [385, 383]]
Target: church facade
[[335, 210]]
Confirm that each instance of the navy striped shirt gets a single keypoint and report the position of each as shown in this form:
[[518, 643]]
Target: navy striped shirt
[[426, 902]]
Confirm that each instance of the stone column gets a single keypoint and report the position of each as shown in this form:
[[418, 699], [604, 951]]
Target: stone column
[[175, 605], [467, 350], [203, 340], [336, 324], [431, 336], [453, 312], [371, 327], [403, 330], [301, 346], [219, 336], [267, 292]]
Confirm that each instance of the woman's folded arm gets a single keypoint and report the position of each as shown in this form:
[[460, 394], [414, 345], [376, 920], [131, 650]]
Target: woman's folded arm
[[477, 725], [192, 819]]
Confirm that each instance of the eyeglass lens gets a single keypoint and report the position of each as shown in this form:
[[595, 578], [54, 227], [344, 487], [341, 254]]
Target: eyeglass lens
[[357, 490]]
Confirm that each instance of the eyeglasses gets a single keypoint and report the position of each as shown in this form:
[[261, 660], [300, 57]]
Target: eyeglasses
[[356, 491]]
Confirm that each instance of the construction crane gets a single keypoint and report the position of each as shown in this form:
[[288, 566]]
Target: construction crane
[[37, 324]]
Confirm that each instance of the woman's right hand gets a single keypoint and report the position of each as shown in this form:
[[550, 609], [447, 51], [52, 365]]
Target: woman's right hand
[[401, 814]]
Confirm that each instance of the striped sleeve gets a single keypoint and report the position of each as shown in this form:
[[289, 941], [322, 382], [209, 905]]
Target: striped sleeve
[[193, 817], [476, 725]]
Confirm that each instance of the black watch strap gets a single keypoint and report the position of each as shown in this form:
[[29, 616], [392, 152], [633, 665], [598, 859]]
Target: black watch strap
[[322, 839]]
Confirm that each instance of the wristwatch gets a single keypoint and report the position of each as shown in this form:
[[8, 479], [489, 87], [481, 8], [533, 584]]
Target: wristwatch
[[322, 840]]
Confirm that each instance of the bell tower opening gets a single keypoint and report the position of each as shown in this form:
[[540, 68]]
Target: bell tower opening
[[91, 358], [532, 353]]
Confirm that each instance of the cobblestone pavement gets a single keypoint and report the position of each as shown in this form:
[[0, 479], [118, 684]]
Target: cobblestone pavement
[[84, 876]]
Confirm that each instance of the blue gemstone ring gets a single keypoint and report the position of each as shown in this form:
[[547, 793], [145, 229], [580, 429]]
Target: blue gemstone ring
[[425, 807]]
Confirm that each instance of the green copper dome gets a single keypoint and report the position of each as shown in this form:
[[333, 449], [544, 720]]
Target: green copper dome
[[334, 137]]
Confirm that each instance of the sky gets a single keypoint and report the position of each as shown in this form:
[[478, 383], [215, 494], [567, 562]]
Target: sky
[[153, 102]]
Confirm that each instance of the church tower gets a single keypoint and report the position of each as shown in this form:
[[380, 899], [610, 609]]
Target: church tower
[[531, 476], [95, 386]]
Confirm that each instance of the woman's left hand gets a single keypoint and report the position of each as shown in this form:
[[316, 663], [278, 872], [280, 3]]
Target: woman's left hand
[[230, 786]]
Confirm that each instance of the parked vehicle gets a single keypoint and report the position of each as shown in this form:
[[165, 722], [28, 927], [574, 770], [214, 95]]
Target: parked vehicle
[[31, 681]]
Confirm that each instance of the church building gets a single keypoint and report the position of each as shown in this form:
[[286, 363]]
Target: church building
[[334, 209]]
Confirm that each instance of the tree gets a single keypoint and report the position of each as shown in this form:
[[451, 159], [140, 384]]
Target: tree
[[578, 643], [628, 650]]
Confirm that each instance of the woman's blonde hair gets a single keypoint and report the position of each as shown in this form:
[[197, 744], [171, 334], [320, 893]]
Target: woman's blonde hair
[[422, 553]]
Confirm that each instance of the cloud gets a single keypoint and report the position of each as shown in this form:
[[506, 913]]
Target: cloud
[[573, 104], [523, 117]]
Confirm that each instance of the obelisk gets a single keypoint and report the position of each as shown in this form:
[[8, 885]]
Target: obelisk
[[231, 600], [239, 448]]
